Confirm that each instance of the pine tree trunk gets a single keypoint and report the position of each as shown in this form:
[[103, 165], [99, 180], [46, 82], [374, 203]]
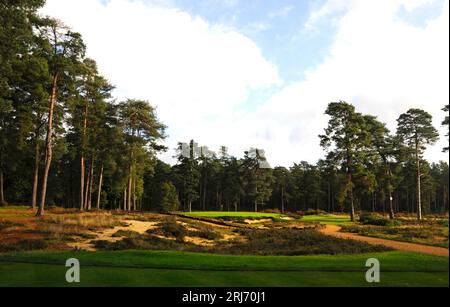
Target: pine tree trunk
[[82, 175], [130, 182], [391, 204], [134, 195], [350, 196], [125, 199], [332, 201], [329, 196], [100, 182], [218, 203], [444, 199], [48, 144], [35, 172], [373, 202], [282, 199], [407, 200], [91, 183], [418, 187], [82, 160], [391, 207], [86, 190], [204, 192], [2, 195]]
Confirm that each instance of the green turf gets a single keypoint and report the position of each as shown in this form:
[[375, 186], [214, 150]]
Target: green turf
[[170, 268], [217, 214], [328, 219]]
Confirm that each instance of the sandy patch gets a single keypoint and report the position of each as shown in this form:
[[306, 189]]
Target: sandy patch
[[106, 235], [199, 241], [248, 221]]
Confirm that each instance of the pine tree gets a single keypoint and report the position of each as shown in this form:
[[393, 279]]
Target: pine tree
[[347, 132], [446, 123], [142, 131], [416, 130]]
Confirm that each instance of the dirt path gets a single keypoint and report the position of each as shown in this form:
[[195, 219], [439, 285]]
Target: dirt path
[[333, 230]]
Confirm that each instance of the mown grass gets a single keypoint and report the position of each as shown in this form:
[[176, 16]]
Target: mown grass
[[219, 214], [327, 219], [168, 268]]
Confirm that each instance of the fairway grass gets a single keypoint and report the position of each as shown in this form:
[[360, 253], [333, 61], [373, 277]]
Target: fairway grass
[[170, 268], [218, 214], [338, 220]]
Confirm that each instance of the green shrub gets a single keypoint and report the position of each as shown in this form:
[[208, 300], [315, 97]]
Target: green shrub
[[443, 223], [8, 224], [32, 244], [420, 233], [314, 212], [351, 228], [24, 245], [124, 244], [294, 242], [392, 231], [126, 233], [169, 197], [205, 234], [373, 219], [170, 227], [146, 243]]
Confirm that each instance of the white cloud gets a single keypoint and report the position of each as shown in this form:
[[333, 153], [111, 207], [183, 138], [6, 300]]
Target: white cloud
[[199, 74], [330, 8], [191, 70], [377, 62], [282, 12]]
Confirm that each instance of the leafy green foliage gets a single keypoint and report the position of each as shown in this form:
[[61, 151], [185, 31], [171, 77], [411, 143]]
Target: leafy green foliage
[[373, 219], [169, 197]]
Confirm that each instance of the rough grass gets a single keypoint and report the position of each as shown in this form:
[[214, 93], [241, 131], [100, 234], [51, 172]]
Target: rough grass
[[204, 231], [126, 233], [8, 224], [143, 242], [90, 221], [24, 245], [376, 220], [249, 242], [171, 228], [23, 231], [168, 268], [293, 242]]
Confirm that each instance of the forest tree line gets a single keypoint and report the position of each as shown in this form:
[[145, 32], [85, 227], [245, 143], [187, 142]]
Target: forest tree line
[[66, 141]]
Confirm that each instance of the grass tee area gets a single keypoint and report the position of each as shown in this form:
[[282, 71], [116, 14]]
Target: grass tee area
[[169, 268]]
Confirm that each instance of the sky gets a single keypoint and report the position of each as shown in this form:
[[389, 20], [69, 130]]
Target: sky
[[260, 73]]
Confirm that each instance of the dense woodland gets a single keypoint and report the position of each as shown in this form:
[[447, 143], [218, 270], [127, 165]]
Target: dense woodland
[[65, 140]]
